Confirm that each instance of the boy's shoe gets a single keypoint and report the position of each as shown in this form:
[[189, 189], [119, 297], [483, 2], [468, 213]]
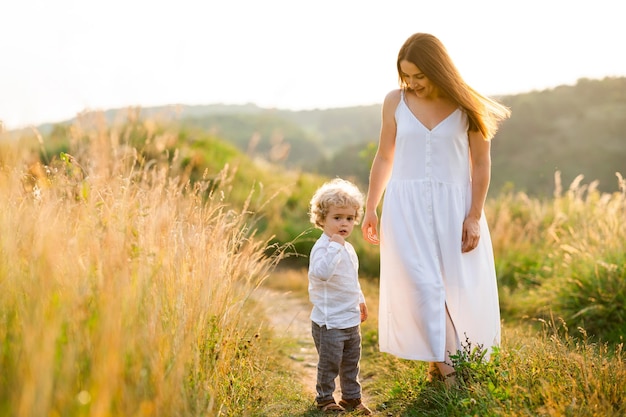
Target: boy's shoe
[[356, 405], [330, 407]]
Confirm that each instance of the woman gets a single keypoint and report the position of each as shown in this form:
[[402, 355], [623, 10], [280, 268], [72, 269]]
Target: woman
[[437, 275]]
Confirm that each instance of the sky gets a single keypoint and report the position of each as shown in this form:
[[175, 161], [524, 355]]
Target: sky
[[62, 57]]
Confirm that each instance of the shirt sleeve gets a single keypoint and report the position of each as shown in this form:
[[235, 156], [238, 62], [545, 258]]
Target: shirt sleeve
[[324, 260]]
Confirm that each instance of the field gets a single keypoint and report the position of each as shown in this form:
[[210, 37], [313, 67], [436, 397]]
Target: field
[[128, 290]]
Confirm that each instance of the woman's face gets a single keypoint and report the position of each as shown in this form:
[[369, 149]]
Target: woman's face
[[416, 80]]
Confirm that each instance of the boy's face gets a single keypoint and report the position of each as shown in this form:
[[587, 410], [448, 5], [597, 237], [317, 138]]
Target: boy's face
[[339, 220]]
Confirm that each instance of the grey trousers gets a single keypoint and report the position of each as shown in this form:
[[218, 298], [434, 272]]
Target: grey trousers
[[339, 353]]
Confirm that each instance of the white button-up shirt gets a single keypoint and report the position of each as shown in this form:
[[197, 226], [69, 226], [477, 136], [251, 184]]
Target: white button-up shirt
[[334, 287]]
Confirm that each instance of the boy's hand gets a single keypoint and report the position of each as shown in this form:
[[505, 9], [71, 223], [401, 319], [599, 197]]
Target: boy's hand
[[338, 238], [363, 308]]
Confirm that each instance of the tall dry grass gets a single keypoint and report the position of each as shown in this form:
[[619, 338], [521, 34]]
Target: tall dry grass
[[123, 288], [564, 257]]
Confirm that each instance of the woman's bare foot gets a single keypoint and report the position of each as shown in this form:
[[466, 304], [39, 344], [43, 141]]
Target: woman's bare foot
[[448, 374], [450, 380]]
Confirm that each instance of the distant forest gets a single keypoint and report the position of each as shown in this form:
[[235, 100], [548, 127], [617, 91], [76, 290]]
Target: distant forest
[[576, 130]]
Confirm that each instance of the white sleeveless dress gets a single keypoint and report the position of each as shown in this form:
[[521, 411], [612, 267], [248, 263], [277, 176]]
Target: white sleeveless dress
[[422, 266]]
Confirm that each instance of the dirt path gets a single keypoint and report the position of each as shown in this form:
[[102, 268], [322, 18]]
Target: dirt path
[[289, 319]]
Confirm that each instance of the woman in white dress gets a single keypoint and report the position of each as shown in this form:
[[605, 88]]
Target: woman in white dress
[[437, 276]]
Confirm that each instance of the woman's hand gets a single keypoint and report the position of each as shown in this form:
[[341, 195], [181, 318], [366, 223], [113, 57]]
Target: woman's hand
[[369, 227], [471, 234]]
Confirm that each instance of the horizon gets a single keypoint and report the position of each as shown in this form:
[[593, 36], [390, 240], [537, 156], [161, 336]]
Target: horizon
[[70, 56], [166, 105]]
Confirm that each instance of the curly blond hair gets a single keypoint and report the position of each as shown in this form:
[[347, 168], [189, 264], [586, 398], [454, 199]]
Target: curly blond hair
[[335, 193]]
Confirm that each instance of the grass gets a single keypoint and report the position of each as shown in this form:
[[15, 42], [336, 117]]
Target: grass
[[563, 257], [550, 373], [125, 291]]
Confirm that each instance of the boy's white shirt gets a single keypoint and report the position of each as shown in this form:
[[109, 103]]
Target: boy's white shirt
[[334, 287]]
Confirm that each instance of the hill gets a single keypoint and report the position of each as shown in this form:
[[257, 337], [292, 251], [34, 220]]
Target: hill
[[575, 129]]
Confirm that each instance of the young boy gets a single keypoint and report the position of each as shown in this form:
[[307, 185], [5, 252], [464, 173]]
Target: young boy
[[338, 302]]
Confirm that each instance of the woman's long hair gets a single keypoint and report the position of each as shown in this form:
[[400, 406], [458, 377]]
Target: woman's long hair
[[431, 57]]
